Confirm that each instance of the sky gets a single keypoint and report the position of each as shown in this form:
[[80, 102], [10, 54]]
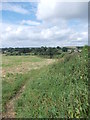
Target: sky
[[44, 23]]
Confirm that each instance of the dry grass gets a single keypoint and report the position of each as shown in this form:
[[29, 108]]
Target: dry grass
[[23, 66]]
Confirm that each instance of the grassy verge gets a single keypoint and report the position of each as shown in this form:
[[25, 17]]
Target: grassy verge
[[58, 91]]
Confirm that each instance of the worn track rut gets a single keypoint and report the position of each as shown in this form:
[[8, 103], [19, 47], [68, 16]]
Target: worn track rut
[[10, 107]]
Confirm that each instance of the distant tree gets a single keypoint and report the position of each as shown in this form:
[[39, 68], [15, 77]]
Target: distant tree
[[64, 49], [58, 47], [45, 51], [51, 51]]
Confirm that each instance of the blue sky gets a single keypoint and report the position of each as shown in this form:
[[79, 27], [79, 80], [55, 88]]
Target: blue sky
[[47, 23], [14, 17]]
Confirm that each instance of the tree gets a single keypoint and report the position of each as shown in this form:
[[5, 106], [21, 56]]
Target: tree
[[64, 49], [51, 51]]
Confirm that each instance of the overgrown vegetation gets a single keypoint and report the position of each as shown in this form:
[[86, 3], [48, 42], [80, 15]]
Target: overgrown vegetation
[[57, 91]]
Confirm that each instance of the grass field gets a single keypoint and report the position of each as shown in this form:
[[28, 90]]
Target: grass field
[[16, 71], [59, 90], [20, 64]]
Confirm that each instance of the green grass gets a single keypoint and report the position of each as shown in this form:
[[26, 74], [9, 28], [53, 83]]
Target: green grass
[[9, 89], [9, 61], [57, 91], [12, 82]]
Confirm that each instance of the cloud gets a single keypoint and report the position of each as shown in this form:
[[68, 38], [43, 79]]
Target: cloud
[[30, 22], [21, 35], [61, 24], [39, 0], [14, 8], [52, 10]]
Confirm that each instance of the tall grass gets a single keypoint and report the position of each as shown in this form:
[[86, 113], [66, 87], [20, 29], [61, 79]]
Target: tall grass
[[58, 91]]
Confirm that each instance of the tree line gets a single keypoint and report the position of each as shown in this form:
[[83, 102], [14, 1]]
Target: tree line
[[49, 51]]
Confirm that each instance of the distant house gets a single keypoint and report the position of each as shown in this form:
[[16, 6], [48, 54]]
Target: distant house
[[80, 50], [76, 50], [69, 50]]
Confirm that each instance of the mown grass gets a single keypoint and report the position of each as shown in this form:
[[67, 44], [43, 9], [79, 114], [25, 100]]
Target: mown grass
[[22, 64], [12, 82], [9, 61], [57, 91], [10, 88]]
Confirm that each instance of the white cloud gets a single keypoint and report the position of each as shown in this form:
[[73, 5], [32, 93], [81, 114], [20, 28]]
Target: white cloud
[[62, 24], [29, 22], [21, 35], [14, 8], [50, 9], [39, 0]]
